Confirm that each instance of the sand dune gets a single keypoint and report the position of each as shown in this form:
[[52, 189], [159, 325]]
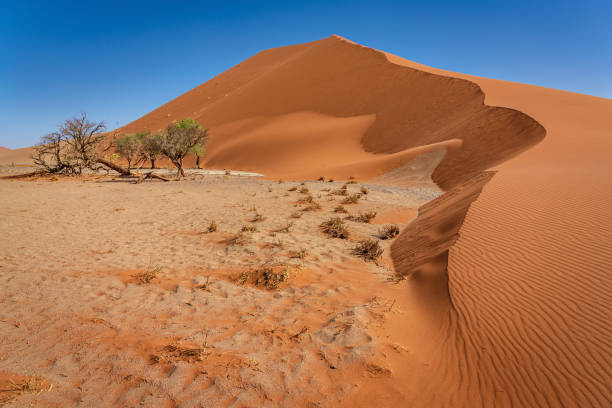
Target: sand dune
[[506, 301], [407, 109]]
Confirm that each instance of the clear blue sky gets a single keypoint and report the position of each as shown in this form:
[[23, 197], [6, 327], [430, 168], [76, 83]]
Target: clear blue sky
[[119, 60]]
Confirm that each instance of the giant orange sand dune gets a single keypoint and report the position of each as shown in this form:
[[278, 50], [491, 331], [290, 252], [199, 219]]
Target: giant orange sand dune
[[508, 271]]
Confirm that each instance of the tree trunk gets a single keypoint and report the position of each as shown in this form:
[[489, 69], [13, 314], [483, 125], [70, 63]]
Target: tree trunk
[[197, 161], [152, 163], [115, 167]]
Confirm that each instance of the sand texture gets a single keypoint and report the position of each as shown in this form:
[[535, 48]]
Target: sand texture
[[495, 294]]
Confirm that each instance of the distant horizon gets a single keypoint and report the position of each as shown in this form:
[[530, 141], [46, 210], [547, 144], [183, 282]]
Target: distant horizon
[[132, 62]]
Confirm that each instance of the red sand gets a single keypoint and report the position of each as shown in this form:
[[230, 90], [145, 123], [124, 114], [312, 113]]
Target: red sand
[[517, 311]]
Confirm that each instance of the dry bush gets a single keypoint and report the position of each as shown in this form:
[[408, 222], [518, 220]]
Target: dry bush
[[322, 178], [352, 199], [363, 217], [285, 229], [364, 190], [335, 228], [341, 192], [351, 181], [306, 199], [148, 275], [296, 214], [248, 228], [330, 180], [212, 227], [340, 209], [388, 232], [257, 218], [174, 352], [228, 172], [270, 276], [368, 249], [301, 253], [304, 190], [314, 206], [294, 188]]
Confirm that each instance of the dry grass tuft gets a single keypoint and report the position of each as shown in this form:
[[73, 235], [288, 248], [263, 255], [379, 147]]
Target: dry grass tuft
[[368, 249], [352, 199], [228, 172], [341, 192], [269, 276], [322, 178], [14, 389], [248, 228], [257, 218], [301, 253], [388, 232], [304, 190], [364, 190], [306, 199], [148, 275], [294, 188], [212, 227], [239, 239], [363, 217], [335, 228], [314, 206], [340, 209], [296, 214]]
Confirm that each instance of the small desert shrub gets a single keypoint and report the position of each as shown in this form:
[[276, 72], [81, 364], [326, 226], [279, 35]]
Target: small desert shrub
[[388, 232], [330, 180], [340, 209], [258, 217], [368, 249], [363, 217], [306, 199], [299, 254], [248, 228], [364, 190], [342, 192], [321, 178], [269, 276], [280, 181], [352, 199], [228, 172], [296, 214], [335, 228], [314, 206], [351, 181], [294, 188], [304, 190], [212, 227], [148, 275]]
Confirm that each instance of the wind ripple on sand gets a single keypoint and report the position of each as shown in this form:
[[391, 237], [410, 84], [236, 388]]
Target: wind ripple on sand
[[529, 279]]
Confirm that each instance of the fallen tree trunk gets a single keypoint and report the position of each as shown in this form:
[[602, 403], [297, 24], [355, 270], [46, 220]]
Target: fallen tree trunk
[[149, 175], [26, 175], [113, 166]]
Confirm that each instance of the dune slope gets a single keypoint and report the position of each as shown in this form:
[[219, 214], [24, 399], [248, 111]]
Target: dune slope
[[299, 90], [529, 276]]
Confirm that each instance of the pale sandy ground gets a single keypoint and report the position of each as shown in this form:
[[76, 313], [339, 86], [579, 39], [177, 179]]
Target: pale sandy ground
[[72, 313]]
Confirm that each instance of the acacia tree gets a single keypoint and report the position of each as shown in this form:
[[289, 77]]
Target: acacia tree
[[48, 154], [198, 150], [129, 148], [150, 146], [179, 140]]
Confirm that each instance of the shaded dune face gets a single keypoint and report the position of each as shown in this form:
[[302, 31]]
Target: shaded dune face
[[338, 79]]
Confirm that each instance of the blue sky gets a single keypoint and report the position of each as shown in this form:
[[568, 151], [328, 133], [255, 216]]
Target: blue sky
[[119, 60]]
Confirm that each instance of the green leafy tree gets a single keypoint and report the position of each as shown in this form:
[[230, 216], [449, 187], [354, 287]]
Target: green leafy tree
[[198, 150], [180, 139], [128, 147], [150, 146]]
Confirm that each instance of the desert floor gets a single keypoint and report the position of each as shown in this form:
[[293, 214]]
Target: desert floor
[[80, 327]]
